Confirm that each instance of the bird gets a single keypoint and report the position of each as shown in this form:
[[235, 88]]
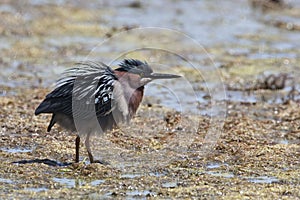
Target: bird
[[93, 98]]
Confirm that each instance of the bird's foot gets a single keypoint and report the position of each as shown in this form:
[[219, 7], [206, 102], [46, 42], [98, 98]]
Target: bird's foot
[[102, 162]]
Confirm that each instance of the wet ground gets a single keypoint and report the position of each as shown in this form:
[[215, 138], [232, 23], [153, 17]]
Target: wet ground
[[228, 129]]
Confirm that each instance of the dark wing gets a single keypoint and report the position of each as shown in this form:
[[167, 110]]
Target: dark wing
[[58, 101], [83, 90]]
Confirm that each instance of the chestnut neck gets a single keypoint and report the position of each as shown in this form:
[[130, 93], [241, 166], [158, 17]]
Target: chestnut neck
[[132, 90]]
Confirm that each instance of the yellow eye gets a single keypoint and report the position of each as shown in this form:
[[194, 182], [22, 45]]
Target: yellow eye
[[142, 74]]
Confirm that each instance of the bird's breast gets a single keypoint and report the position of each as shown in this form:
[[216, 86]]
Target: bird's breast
[[135, 101]]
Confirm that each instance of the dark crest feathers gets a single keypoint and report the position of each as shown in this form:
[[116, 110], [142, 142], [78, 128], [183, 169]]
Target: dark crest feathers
[[134, 66]]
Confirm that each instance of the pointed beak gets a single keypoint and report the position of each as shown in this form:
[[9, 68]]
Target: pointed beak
[[162, 76]]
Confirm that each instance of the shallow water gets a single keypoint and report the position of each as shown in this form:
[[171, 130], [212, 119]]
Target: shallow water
[[138, 194], [262, 179], [71, 183], [40, 189], [228, 174], [17, 150], [5, 180], [171, 184]]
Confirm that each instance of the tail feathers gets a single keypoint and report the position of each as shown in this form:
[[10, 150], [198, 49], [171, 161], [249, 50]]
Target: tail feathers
[[42, 108], [52, 122]]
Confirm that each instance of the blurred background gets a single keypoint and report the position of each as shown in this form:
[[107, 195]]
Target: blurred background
[[253, 46]]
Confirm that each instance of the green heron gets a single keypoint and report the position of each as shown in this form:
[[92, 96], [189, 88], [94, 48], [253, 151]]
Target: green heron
[[92, 90]]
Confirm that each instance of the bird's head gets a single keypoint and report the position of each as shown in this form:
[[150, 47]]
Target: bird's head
[[139, 73]]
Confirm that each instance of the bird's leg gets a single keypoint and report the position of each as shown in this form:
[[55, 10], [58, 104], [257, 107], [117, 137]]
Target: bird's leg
[[77, 143], [87, 145], [88, 148]]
